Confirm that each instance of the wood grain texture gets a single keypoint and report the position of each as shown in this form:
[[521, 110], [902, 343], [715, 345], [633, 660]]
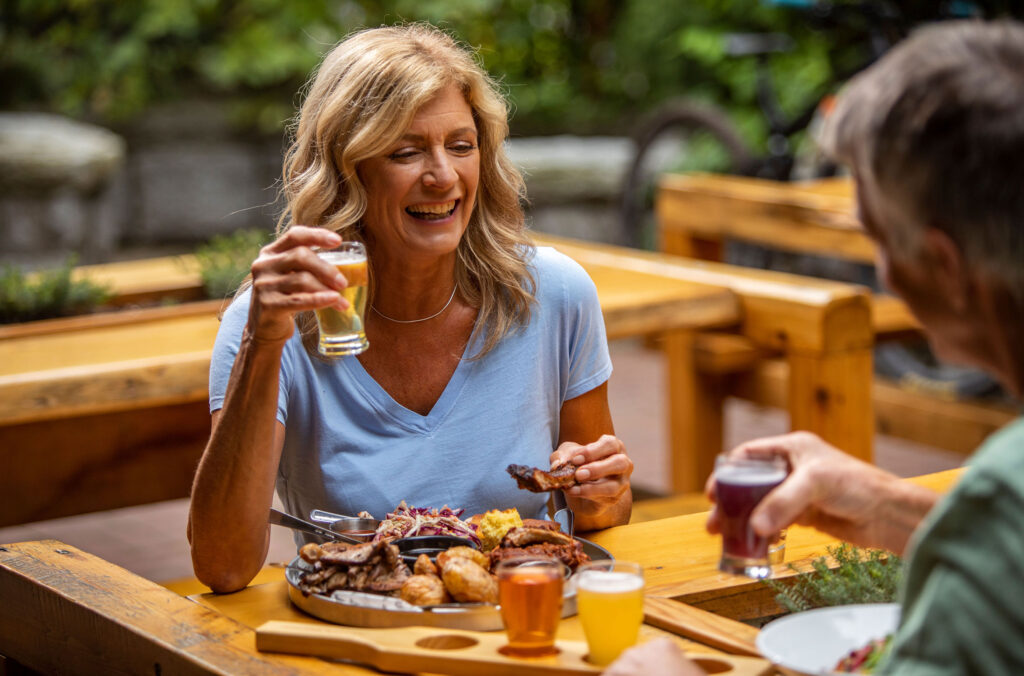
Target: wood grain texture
[[460, 653], [959, 426], [66, 611], [700, 625], [56, 468], [791, 216]]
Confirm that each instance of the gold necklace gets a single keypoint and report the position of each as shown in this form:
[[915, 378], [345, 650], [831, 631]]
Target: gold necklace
[[415, 321]]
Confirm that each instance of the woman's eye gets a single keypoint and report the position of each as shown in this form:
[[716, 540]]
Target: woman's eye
[[403, 154], [464, 147]]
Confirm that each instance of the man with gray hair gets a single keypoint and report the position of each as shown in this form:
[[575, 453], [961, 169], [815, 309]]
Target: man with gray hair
[[934, 135]]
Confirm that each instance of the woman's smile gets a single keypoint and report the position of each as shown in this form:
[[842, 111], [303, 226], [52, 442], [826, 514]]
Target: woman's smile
[[433, 212]]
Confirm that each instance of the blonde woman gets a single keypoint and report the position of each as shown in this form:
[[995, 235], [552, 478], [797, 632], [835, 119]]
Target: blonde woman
[[484, 350]]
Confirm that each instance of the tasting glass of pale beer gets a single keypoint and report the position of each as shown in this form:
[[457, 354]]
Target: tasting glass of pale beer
[[342, 332], [740, 484], [530, 594], [610, 602]]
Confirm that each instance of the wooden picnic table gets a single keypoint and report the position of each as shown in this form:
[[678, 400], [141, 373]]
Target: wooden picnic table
[[66, 610], [699, 213]]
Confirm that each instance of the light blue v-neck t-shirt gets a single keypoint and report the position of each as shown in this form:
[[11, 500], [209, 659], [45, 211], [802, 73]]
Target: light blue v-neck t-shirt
[[350, 447]]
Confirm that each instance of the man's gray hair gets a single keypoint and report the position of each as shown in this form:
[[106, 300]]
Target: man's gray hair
[[938, 125]]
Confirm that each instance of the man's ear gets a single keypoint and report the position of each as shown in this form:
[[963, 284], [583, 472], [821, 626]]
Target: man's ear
[[950, 269]]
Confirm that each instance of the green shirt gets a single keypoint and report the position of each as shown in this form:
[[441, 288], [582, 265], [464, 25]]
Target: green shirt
[[963, 596]]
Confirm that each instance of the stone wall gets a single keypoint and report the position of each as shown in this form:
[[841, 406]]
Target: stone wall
[[183, 175]]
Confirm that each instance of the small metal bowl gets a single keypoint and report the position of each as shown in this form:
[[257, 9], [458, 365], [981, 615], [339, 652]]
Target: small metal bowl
[[360, 529], [431, 545]]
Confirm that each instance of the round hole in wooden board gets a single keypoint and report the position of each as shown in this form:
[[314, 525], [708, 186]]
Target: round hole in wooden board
[[446, 642], [711, 665]]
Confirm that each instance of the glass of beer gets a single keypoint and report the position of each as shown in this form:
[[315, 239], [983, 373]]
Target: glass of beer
[[610, 600], [342, 332], [740, 484], [530, 594]]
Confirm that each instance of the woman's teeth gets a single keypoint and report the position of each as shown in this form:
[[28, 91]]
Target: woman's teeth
[[432, 212]]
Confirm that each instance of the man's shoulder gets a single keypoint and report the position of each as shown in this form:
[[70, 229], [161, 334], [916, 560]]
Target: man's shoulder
[[1001, 457]]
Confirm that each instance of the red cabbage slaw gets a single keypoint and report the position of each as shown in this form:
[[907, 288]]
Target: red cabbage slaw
[[407, 521]]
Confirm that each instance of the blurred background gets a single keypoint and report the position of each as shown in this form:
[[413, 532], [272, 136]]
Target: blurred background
[[187, 101]]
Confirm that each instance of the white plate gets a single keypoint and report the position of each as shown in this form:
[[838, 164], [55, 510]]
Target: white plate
[[810, 643]]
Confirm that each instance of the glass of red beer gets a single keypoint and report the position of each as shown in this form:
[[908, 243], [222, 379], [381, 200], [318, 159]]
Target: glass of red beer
[[740, 484], [530, 594]]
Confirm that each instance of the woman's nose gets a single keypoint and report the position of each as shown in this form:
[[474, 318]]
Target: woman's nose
[[440, 173]]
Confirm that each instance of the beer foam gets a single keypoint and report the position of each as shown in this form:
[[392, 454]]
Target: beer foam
[[749, 476], [609, 582], [341, 257]]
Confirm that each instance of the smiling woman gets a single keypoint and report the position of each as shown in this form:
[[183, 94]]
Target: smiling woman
[[484, 350]]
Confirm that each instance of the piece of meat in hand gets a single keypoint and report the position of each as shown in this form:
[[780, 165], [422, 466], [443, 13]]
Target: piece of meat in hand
[[534, 479]]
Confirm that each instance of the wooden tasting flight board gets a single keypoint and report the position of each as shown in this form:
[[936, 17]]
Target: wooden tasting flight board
[[450, 651]]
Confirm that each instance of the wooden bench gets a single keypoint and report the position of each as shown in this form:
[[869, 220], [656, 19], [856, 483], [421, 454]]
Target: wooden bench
[[697, 214]]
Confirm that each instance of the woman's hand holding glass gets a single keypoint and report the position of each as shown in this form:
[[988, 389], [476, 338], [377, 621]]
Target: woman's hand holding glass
[[288, 277]]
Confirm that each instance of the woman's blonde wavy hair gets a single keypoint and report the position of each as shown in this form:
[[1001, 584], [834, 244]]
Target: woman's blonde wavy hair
[[363, 96]]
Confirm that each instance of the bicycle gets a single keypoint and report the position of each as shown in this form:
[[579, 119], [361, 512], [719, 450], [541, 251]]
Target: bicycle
[[703, 135]]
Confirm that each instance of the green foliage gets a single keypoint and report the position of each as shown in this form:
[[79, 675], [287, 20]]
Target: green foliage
[[568, 66], [862, 576], [46, 294], [226, 259]]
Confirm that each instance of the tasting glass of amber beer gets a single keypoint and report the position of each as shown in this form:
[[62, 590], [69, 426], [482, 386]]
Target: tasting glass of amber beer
[[610, 601], [740, 484], [342, 332], [530, 594]]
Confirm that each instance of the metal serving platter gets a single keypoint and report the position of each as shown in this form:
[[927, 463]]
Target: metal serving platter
[[362, 609]]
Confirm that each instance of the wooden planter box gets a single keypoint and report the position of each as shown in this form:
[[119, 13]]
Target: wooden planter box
[[107, 410]]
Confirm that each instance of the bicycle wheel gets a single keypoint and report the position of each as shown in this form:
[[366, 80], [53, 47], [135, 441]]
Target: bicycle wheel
[[679, 136], [912, 364]]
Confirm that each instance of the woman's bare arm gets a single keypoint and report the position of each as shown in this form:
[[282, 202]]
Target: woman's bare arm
[[234, 484], [587, 438]]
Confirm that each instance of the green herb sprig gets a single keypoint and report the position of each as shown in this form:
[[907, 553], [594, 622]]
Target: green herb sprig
[[861, 576]]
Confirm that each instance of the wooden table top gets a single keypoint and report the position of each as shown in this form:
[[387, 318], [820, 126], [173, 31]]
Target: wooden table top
[[101, 615]]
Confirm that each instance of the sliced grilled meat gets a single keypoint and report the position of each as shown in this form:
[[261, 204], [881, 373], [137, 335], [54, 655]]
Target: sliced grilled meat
[[351, 556], [542, 523], [539, 481], [571, 555], [522, 537]]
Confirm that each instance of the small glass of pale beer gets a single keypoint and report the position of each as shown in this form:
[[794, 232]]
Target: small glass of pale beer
[[740, 484], [343, 332], [610, 601], [530, 594]]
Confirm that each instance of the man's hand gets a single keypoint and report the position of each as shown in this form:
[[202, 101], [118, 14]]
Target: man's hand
[[833, 492], [660, 656]]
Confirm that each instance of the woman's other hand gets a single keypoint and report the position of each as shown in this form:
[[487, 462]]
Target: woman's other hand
[[833, 492], [659, 656], [287, 278]]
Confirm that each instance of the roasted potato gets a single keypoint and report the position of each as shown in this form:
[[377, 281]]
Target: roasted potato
[[424, 566], [473, 555], [424, 590], [468, 581]]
